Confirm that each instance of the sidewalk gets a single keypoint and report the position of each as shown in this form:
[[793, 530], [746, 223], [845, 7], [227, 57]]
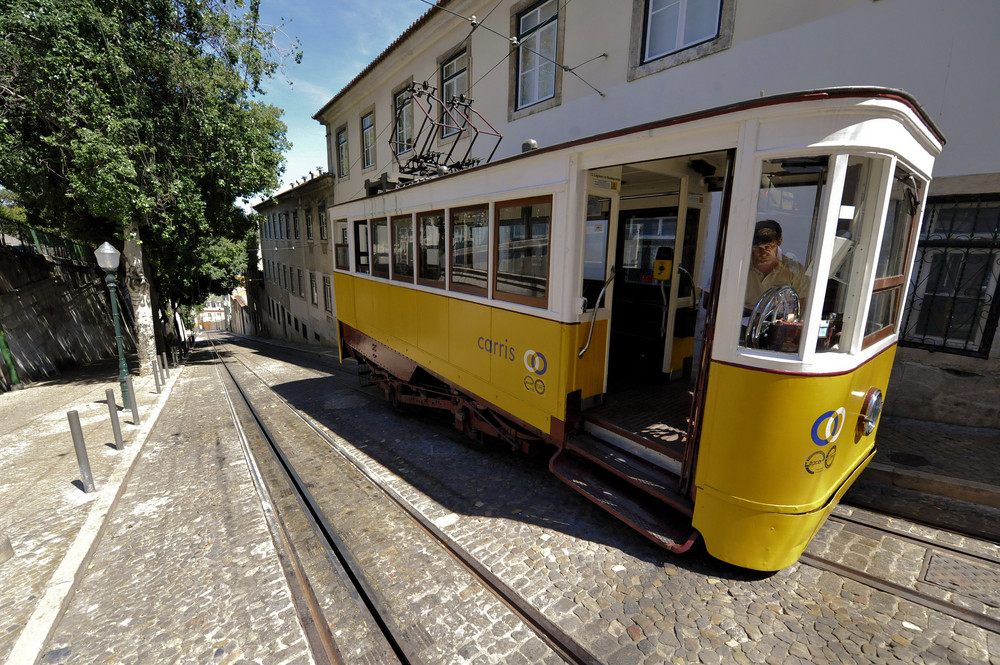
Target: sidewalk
[[50, 521], [169, 557], [943, 475]]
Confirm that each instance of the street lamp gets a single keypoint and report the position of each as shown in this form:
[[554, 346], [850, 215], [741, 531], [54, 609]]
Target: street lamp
[[107, 258]]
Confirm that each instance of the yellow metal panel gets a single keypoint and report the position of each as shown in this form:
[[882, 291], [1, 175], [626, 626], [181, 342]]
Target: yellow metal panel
[[783, 442], [589, 375], [757, 539], [343, 290], [526, 359], [467, 324], [431, 318]]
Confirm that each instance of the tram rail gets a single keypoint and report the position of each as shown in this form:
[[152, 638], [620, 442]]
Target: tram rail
[[324, 646], [984, 619]]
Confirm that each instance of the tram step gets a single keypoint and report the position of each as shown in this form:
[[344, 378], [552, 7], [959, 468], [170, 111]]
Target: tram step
[[651, 478], [664, 526]]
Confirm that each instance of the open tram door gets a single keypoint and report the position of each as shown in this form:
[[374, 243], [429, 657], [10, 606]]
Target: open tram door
[[654, 224], [650, 244]]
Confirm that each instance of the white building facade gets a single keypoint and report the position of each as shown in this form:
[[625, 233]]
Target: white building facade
[[296, 301], [546, 73]]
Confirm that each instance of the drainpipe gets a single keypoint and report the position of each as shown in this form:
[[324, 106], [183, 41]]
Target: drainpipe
[[8, 360]]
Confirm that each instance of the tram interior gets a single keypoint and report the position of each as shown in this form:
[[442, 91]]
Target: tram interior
[[667, 210]]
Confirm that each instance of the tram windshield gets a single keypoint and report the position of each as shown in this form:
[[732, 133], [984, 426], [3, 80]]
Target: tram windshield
[[780, 267]]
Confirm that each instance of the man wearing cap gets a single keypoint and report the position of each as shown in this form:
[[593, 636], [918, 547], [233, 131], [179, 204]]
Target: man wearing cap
[[769, 267]]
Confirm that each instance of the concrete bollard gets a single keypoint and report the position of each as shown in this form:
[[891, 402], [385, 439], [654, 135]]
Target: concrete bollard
[[6, 551], [115, 425], [156, 375], [166, 370], [81, 451], [134, 402]]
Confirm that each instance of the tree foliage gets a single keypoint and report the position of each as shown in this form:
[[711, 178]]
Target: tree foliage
[[141, 114]]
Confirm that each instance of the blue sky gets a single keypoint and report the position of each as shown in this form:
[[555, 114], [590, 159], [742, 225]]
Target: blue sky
[[338, 39]]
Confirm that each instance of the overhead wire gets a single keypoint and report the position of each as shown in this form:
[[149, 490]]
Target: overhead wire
[[514, 45]]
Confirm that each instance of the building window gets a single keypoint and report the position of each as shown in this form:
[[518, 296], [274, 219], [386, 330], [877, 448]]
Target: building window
[[341, 250], [402, 248], [431, 240], [313, 291], [295, 223], [368, 141], [343, 159], [380, 247], [403, 139], [954, 291], [470, 243], [302, 291], [537, 36], [522, 271], [327, 294], [361, 250], [284, 272], [667, 33], [321, 219], [454, 84], [288, 226], [672, 25], [309, 225]]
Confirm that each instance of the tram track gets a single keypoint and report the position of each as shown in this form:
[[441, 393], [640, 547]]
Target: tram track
[[919, 591], [400, 638]]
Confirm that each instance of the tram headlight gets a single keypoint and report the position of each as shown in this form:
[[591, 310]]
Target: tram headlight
[[870, 411]]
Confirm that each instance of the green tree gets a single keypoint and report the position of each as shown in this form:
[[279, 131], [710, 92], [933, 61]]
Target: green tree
[[137, 120]]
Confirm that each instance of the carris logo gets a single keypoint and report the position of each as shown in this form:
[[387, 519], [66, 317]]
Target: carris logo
[[535, 362]]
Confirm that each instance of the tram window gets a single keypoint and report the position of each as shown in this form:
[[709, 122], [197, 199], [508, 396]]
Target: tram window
[[340, 247], [778, 277], [595, 249], [523, 251], [380, 248], [361, 263], [893, 250], [856, 215], [431, 252], [402, 248], [644, 236], [470, 242]]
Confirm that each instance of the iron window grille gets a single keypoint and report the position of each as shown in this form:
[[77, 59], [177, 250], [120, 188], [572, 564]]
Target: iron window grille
[[952, 303]]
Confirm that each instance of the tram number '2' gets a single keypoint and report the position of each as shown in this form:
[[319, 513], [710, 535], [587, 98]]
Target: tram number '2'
[[825, 430]]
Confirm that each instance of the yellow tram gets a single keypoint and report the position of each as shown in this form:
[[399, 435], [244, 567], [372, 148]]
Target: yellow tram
[[698, 315]]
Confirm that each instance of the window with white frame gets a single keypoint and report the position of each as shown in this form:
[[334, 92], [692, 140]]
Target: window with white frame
[[343, 158], [368, 140], [454, 84], [673, 25], [403, 140], [327, 294], [537, 36]]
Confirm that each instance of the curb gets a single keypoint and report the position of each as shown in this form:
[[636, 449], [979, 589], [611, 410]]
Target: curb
[[59, 589], [929, 483]]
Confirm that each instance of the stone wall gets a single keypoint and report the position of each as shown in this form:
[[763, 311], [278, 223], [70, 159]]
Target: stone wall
[[56, 315]]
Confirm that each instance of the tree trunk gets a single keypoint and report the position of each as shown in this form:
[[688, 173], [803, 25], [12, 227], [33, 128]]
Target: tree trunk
[[138, 288]]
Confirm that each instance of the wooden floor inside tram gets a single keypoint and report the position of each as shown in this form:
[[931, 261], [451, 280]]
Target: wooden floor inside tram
[[654, 414]]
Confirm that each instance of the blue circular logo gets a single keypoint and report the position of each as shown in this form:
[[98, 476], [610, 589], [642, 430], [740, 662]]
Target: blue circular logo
[[828, 426], [535, 362]]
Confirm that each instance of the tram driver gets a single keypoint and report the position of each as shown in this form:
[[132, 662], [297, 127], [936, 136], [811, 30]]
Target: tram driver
[[770, 267]]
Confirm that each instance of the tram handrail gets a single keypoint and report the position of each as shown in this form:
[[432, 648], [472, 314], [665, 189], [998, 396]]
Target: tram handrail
[[593, 319]]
